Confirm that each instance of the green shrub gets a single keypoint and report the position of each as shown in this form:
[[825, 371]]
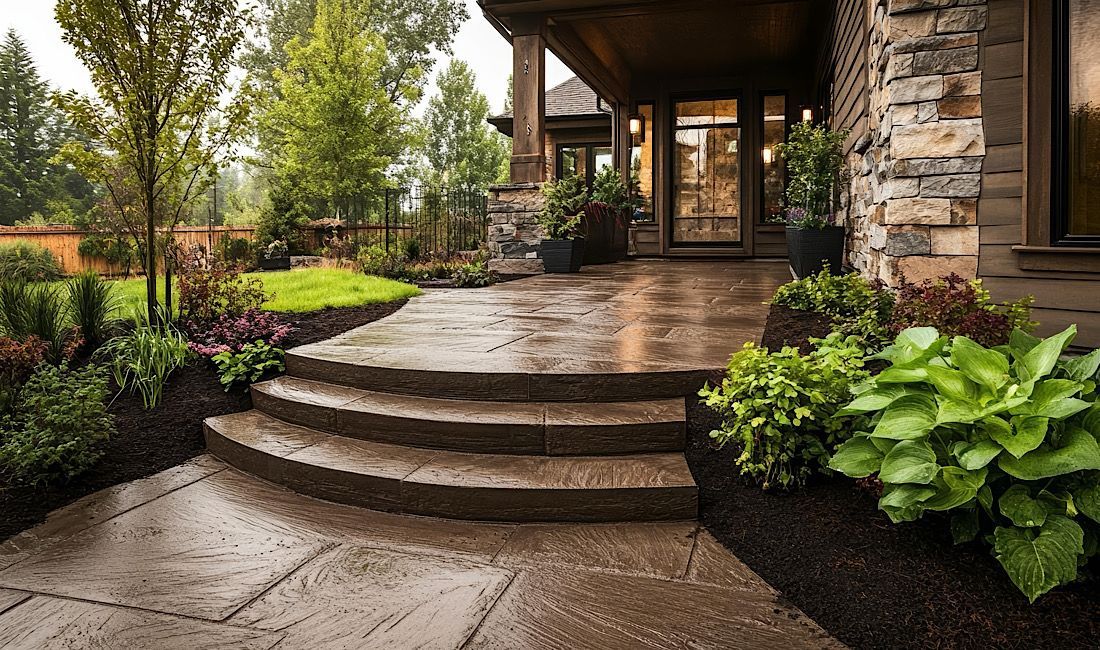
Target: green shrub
[[18, 359], [40, 311], [142, 360], [22, 260], [857, 306], [92, 305], [250, 364], [959, 307], [58, 425], [565, 199], [814, 157], [779, 407], [234, 250], [410, 248], [1003, 439], [475, 273]]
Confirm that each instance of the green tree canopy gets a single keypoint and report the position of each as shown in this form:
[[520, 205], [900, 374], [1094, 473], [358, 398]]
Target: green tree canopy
[[32, 185], [461, 147], [165, 109]]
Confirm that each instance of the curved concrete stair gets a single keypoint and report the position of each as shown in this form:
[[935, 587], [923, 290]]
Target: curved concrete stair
[[498, 487], [504, 378], [536, 428]]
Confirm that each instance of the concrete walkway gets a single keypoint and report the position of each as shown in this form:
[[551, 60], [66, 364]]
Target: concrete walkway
[[202, 556]]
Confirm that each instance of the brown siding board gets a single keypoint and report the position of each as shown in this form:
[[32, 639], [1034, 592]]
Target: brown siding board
[[1000, 212], [1004, 158], [1003, 111], [1002, 185], [1003, 61]]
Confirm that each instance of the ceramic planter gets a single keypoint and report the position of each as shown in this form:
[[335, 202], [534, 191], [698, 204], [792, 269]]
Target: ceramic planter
[[562, 255], [809, 250]]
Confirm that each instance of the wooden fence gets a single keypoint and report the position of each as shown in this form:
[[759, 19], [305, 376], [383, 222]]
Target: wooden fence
[[63, 242]]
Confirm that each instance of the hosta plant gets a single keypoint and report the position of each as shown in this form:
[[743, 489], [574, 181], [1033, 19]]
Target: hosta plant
[[1003, 439], [778, 407], [249, 365]]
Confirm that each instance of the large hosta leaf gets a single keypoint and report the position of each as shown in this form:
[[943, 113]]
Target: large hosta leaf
[[857, 458], [897, 375], [986, 367], [955, 487], [903, 502], [1036, 562], [1020, 342], [976, 455], [1082, 368], [876, 399], [910, 461], [1018, 505], [1021, 436], [1087, 500], [952, 384], [1078, 451], [1041, 359], [913, 347], [908, 418]]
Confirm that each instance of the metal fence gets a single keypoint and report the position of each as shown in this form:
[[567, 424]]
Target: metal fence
[[443, 221]]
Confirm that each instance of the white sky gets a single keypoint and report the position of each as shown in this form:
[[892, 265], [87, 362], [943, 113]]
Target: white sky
[[477, 43]]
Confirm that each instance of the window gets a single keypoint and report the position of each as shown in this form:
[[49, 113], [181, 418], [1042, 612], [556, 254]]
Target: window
[[706, 173], [1075, 204], [774, 171], [641, 165], [583, 160]]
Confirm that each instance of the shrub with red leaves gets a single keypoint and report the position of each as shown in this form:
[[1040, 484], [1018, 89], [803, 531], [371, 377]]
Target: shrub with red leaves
[[18, 359], [207, 294], [956, 306], [232, 333]]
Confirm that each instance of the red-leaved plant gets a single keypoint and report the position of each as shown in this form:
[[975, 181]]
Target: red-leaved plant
[[232, 333], [209, 293], [956, 306]]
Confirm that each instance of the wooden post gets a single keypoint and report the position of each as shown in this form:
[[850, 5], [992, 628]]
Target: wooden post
[[528, 163]]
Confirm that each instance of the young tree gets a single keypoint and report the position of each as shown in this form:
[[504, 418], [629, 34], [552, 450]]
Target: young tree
[[460, 145], [161, 71], [32, 185], [334, 127]]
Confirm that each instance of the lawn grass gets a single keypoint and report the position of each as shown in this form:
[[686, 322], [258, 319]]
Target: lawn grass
[[297, 291]]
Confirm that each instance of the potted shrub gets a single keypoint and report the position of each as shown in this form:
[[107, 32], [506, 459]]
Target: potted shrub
[[814, 156], [275, 257], [606, 216], [562, 245]]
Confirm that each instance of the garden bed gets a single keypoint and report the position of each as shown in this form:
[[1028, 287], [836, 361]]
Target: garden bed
[[869, 582], [147, 442]]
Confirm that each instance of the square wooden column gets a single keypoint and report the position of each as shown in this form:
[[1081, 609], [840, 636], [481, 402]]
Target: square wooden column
[[528, 163]]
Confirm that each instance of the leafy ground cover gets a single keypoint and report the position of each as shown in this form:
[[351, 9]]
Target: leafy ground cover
[[297, 291]]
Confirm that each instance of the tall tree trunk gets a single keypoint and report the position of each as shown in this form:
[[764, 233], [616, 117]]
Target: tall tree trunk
[[150, 254]]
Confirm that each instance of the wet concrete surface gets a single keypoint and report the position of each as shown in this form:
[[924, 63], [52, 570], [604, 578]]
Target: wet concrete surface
[[203, 556]]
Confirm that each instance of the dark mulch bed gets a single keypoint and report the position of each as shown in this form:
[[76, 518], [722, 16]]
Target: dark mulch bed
[[870, 583], [795, 328], [147, 442]]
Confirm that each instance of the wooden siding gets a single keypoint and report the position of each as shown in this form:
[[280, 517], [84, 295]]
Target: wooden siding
[[1061, 297], [844, 77]]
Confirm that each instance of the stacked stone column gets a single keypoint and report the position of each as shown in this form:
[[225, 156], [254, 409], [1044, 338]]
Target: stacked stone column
[[916, 176], [514, 233]]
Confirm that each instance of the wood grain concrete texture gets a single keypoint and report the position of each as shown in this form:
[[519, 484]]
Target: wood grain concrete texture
[[204, 556]]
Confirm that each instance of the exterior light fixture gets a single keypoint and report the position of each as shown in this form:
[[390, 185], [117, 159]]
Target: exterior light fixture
[[637, 127], [807, 113], [768, 156]]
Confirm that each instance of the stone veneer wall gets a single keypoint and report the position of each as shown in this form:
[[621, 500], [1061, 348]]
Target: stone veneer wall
[[916, 176], [514, 232]]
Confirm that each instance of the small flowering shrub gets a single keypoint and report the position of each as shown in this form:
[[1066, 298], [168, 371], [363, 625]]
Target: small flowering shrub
[[207, 294], [857, 306], [233, 333], [57, 425], [955, 307], [779, 407]]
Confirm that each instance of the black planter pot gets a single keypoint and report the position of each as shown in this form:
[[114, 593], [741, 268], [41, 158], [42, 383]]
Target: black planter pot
[[562, 255], [275, 263], [810, 250]]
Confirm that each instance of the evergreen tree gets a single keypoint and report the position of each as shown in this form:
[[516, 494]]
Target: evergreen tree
[[461, 147]]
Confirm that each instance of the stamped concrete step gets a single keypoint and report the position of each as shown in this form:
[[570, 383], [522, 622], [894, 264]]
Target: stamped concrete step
[[539, 428], [491, 487], [502, 378]]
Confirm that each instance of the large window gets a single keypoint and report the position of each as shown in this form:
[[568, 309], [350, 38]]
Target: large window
[[774, 171], [583, 160], [706, 173], [1076, 166]]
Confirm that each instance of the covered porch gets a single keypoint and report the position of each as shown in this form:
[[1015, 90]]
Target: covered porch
[[701, 93]]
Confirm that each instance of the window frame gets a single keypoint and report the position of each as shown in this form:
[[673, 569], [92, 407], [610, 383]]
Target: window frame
[[786, 95], [589, 157]]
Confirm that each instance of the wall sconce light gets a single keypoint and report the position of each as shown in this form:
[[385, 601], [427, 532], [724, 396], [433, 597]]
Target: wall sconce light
[[768, 156], [637, 127], [807, 113]]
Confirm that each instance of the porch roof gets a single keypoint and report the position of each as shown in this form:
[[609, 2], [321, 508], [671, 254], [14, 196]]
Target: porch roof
[[618, 45]]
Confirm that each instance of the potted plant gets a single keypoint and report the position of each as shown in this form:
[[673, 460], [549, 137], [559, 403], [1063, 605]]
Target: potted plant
[[275, 257], [814, 157], [606, 216], [562, 245]]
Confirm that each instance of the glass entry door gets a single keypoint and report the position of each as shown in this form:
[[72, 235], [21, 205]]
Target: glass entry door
[[706, 173]]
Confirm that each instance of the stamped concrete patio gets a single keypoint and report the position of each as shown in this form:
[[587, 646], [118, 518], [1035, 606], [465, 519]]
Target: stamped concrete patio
[[205, 555]]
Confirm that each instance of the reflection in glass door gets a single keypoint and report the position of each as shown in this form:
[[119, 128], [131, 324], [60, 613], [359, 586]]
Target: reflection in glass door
[[706, 173]]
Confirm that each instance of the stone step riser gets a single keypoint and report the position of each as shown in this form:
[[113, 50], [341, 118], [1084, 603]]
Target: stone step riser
[[503, 386], [441, 495], [539, 436]]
